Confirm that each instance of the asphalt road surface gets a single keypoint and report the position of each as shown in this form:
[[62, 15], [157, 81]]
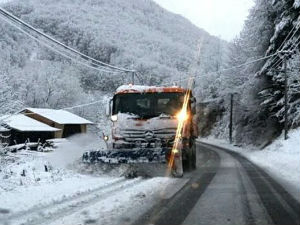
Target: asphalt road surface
[[225, 189]]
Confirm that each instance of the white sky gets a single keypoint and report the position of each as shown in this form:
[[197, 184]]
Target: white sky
[[224, 18]]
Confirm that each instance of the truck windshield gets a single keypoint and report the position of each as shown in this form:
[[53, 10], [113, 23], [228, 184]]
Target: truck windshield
[[148, 105]]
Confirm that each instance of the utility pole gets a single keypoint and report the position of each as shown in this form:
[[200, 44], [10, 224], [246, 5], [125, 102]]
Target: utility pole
[[180, 85], [231, 118], [285, 97], [132, 77]]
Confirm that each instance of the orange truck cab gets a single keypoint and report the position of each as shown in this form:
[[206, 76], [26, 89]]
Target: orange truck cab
[[146, 118]]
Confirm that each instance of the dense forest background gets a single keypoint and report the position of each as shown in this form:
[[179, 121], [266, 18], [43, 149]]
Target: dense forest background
[[259, 87], [162, 47]]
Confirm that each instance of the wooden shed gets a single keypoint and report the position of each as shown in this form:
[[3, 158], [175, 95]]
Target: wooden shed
[[67, 123], [4, 134], [20, 128]]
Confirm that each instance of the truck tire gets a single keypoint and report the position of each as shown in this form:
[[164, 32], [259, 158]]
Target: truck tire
[[186, 164], [188, 160]]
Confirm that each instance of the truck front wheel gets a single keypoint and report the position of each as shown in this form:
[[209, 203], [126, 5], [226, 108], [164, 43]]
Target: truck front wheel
[[189, 158]]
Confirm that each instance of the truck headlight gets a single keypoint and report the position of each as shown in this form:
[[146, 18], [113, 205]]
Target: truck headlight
[[182, 115], [114, 118], [106, 138]]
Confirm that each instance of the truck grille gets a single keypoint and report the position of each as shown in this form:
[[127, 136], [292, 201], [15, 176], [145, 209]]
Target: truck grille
[[168, 133], [160, 138]]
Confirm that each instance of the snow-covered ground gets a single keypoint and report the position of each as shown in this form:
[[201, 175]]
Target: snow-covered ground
[[4, 1], [281, 159], [31, 195]]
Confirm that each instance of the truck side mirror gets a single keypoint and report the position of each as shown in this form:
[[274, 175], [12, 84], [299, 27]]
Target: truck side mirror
[[108, 108], [193, 100], [193, 105], [193, 109]]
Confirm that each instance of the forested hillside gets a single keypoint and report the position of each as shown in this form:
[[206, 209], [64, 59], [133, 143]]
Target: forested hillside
[[139, 35], [162, 47], [258, 88]]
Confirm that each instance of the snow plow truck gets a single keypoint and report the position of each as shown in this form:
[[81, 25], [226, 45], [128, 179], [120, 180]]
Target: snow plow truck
[[145, 121]]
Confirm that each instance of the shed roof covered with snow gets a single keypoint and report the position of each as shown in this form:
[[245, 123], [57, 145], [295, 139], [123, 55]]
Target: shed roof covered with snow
[[58, 116], [24, 123], [3, 129]]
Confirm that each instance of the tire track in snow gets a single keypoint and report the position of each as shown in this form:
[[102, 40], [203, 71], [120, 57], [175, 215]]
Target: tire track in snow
[[51, 212], [39, 207]]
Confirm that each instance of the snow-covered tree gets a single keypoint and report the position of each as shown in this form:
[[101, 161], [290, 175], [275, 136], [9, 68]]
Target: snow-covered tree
[[9, 101], [47, 84], [259, 87], [285, 37]]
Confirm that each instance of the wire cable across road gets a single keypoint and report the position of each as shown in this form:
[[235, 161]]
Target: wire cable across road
[[226, 69], [23, 26]]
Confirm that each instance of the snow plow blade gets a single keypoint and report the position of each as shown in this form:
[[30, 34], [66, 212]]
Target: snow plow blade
[[141, 162], [126, 156]]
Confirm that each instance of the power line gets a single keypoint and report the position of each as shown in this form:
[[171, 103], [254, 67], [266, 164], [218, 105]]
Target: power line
[[228, 69], [82, 105], [287, 38], [17, 22], [20, 22], [262, 58], [279, 61], [282, 44], [293, 47], [73, 107], [92, 66]]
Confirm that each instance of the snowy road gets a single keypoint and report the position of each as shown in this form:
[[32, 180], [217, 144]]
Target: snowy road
[[226, 189]]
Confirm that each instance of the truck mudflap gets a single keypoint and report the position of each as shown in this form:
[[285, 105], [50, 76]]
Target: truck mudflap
[[128, 156]]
